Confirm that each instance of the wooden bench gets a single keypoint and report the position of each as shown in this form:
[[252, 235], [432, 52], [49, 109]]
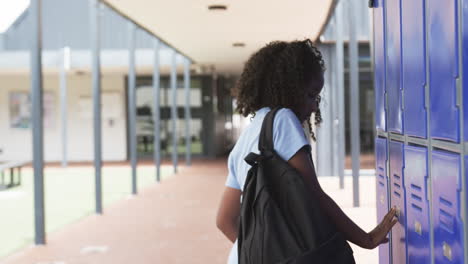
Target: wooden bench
[[11, 166]]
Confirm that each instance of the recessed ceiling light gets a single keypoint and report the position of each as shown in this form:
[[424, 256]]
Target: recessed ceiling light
[[217, 7], [238, 44]]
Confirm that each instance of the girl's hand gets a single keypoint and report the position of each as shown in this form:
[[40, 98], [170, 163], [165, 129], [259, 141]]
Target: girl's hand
[[379, 234]]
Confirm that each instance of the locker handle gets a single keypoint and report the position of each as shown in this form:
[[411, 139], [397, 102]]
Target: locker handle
[[418, 227], [398, 213], [447, 251]]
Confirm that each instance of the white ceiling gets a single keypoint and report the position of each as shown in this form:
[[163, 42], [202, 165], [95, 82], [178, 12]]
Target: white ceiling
[[207, 36]]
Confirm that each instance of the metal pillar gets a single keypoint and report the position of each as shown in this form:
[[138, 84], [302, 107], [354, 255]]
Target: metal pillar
[[37, 122], [132, 104], [324, 143], [156, 113], [340, 102], [334, 113], [64, 67], [174, 109], [354, 100], [96, 81], [188, 117]]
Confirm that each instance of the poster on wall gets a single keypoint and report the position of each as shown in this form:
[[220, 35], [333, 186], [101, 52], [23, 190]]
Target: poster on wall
[[20, 110]]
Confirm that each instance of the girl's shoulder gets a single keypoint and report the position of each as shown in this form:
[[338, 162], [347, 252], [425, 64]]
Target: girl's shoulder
[[285, 118], [286, 112]]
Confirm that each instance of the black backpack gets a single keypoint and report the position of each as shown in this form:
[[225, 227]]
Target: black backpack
[[279, 220]]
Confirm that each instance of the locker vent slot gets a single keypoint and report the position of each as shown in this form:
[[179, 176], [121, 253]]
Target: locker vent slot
[[416, 207], [397, 185], [445, 202], [446, 221], [415, 187], [416, 197], [397, 194]]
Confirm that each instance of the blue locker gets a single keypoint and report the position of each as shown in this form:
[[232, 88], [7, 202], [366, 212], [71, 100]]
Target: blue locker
[[443, 68], [397, 198], [465, 66], [448, 226], [382, 191], [417, 205], [379, 65], [414, 67], [393, 76]]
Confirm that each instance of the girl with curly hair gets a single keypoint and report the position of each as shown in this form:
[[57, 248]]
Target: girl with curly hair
[[288, 75]]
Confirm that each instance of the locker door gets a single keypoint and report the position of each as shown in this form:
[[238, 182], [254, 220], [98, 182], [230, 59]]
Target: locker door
[[443, 68], [417, 205], [414, 67], [379, 65], [448, 226], [465, 66], [397, 198], [382, 191], [393, 78]]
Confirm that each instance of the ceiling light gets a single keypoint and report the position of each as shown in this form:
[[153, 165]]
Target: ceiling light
[[238, 44], [217, 7]]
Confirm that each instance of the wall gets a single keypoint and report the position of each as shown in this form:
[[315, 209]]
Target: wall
[[15, 143]]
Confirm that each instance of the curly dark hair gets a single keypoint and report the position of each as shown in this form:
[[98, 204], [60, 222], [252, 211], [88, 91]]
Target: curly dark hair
[[276, 75]]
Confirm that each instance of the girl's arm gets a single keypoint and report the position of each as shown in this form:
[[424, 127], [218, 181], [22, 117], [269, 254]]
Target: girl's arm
[[344, 224], [227, 219]]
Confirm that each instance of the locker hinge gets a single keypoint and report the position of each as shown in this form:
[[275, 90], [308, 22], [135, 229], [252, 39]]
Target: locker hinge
[[402, 100], [371, 3], [426, 96], [459, 92], [385, 101], [428, 197]]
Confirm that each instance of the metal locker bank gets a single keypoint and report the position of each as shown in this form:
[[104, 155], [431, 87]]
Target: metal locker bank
[[420, 58]]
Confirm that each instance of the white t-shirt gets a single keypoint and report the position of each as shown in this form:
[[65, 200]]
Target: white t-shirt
[[288, 138]]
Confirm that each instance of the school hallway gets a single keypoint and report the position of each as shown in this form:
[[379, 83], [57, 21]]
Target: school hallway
[[173, 222]]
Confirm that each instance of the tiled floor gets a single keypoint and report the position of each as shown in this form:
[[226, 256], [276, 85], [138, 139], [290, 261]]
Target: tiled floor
[[172, 222], [69, 197]]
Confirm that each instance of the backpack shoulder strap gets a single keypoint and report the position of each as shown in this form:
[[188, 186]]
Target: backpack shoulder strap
[[265, 143]]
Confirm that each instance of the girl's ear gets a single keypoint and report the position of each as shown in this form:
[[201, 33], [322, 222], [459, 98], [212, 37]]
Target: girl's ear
[[318, 117]]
